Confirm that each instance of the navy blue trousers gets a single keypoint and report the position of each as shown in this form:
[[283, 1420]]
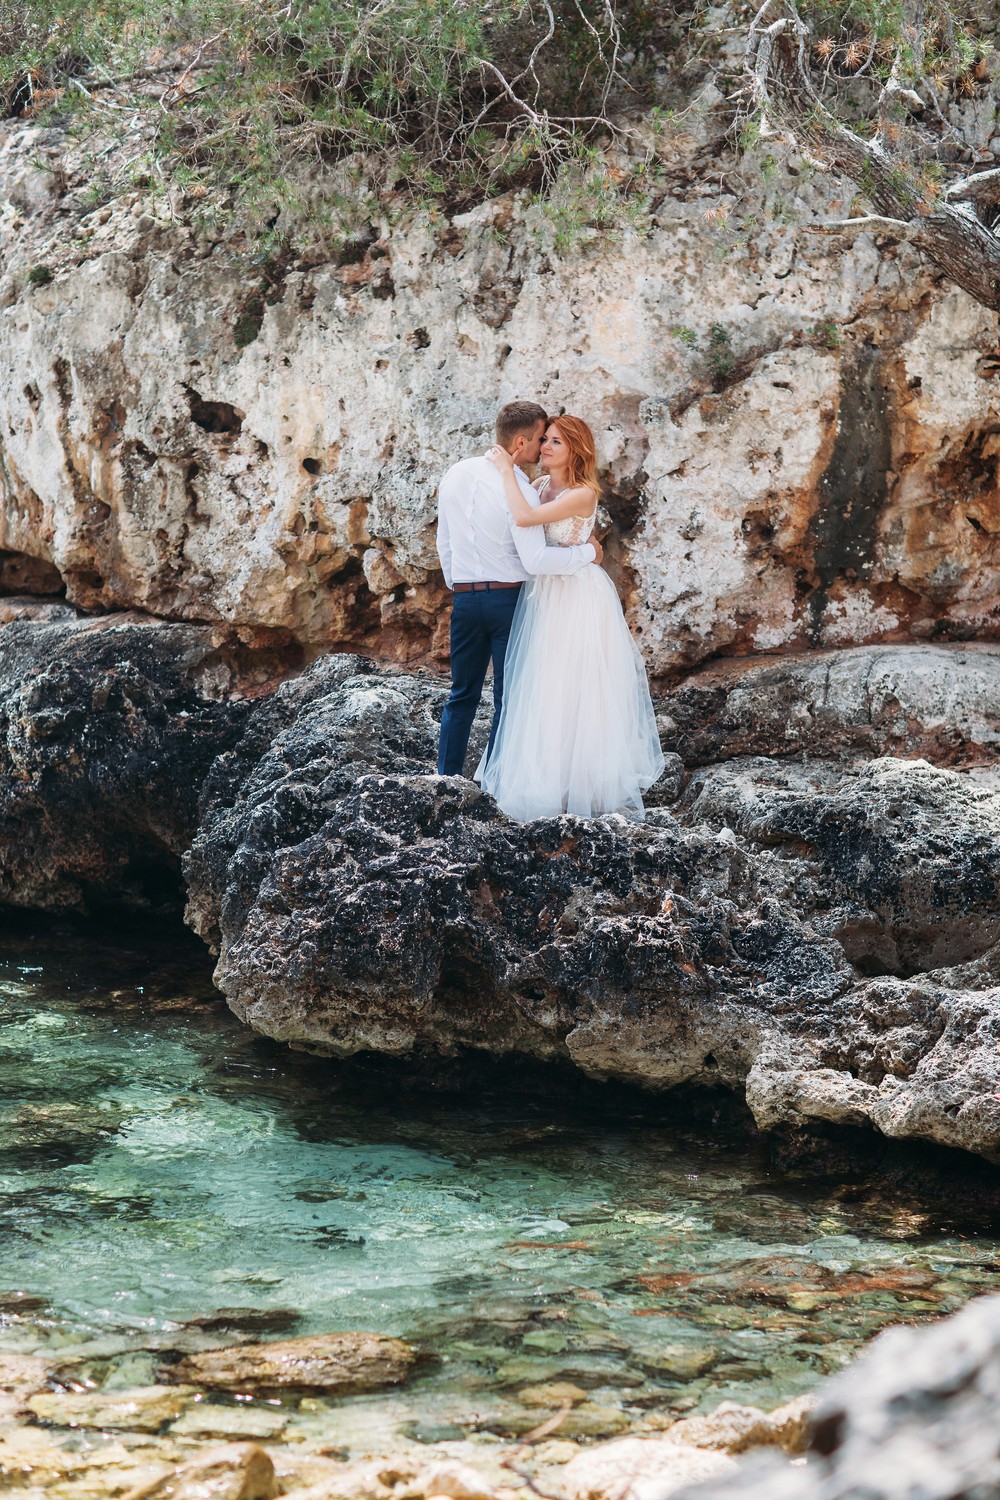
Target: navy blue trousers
[[480, 627]]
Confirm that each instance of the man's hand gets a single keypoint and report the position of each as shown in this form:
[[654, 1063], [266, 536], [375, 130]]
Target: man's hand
[[598, 549]]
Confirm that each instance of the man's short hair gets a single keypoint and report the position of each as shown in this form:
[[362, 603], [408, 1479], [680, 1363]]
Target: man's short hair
[[517, 417]]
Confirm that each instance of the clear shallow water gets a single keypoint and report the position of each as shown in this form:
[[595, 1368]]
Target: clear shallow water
[[159, 1164]]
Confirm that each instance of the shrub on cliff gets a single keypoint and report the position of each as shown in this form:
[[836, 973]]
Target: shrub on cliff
[[303, 109], [437, 98]]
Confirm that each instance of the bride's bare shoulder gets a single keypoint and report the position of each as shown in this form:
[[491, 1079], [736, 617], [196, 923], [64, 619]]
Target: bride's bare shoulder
[[583, 497]]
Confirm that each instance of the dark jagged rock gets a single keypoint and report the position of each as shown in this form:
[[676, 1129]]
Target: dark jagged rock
[[779, 929], [303, 748], [821, 934], [903, 858], [107, 729]]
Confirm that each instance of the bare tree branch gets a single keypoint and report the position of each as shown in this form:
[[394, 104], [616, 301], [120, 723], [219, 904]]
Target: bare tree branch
[[950, 232], [892, 91], [903, 229], [981, 187]]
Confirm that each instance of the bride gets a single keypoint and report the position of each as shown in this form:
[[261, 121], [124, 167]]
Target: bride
[[576, 732]]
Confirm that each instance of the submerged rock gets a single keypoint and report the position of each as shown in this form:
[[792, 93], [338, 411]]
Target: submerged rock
[[143, 1410], [341, 1363], [206, 1419], [818, 933], [21, 1375]]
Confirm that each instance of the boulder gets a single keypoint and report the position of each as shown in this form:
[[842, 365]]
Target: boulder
[[107, 729], [817, 933]]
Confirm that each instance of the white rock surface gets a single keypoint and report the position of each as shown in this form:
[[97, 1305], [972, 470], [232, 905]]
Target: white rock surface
[[832, 481], [913, 1419], [640, 1468]]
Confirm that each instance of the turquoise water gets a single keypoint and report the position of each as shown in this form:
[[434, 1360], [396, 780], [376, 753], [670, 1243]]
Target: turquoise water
[[164, 1173]]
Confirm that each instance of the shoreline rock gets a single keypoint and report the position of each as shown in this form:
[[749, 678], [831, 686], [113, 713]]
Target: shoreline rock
[[107, 729], [820, 933], [914, 1412], [817, 930]]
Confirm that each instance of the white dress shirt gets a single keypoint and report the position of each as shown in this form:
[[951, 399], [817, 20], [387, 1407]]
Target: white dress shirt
[[477, 538]]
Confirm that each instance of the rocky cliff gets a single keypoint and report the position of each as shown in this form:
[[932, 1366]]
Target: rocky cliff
[[799, 435]]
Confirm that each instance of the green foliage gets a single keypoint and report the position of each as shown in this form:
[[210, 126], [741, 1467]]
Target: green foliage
[[720, 355], [720, 360], [248, 104], [39, 276], [586, 201], [938, 40], [826, 334]]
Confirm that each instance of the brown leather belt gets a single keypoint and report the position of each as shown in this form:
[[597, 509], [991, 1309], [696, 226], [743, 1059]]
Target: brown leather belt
[[478, 588]]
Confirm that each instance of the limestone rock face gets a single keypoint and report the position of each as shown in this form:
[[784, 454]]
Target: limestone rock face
[[822, 934], [915, 1415], [187, 432]]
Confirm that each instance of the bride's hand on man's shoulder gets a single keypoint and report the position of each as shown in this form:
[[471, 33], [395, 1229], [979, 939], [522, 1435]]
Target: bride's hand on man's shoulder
[[501, 458]]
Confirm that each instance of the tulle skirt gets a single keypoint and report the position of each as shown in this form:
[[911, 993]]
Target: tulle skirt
[[577, 732]]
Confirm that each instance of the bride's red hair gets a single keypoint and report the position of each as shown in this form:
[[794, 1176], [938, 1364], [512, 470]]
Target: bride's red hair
[[582, 452]]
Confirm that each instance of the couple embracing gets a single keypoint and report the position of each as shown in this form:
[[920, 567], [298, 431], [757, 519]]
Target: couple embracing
[[573, 727]]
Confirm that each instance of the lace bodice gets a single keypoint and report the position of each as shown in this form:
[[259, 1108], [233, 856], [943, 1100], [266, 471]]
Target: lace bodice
[[572, 531]]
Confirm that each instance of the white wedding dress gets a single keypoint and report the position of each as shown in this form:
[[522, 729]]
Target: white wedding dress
[[577, 732]]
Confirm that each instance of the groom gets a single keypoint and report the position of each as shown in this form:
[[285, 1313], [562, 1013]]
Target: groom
[[486, 559]]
